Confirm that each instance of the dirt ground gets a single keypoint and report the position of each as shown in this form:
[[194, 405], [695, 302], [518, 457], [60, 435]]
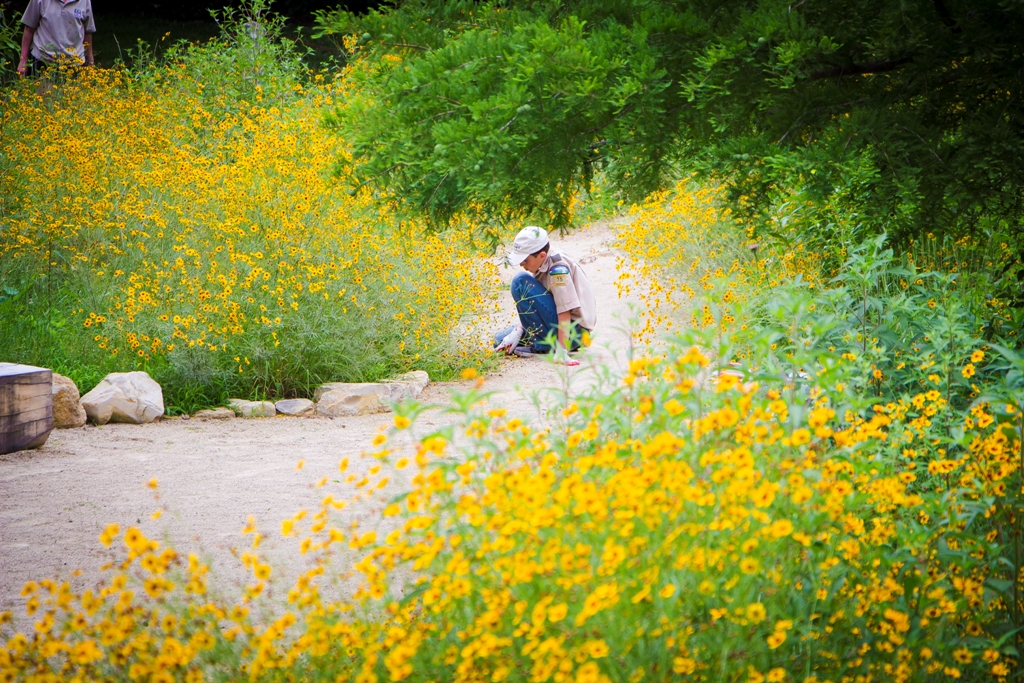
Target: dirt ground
[[55, 501]]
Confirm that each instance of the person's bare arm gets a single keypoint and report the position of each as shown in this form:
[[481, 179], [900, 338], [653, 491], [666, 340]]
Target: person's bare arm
[[563, 329], [26, 47], [562, 352], [87, 43]]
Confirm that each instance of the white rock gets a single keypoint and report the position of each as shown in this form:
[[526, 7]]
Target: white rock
[[411, 383], [215, 414], [68, 412], [296, 407], [341, 399], [245, 408], [124, 397]]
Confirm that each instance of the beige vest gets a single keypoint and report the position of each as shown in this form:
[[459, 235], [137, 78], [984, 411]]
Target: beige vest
[[571, 288]]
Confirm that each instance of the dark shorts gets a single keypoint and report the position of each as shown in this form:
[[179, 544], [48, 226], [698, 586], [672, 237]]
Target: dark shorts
[[34, 67], [37, 67]]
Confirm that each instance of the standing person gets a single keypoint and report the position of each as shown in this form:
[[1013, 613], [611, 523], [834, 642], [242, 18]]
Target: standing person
[[554, 299], [56, 30]]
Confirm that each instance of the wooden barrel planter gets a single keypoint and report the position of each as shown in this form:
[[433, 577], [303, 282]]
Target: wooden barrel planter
[[26, 406]]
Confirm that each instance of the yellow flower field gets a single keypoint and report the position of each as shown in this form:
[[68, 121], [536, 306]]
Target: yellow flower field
[[167, 229], [818, 478], [666, 530], [688, 259]]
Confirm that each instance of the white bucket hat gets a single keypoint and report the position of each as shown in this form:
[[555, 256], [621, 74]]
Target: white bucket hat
[[530, 240]]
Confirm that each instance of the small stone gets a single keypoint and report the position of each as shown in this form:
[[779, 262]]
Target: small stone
[[295, 407], [68, 412], [131, 397], [215, 414], [245, 408]]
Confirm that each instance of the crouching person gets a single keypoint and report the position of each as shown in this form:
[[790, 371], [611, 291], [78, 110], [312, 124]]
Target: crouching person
[[554, 300]]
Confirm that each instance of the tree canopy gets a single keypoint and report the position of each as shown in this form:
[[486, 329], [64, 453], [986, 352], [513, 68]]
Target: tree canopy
[[908, 114]]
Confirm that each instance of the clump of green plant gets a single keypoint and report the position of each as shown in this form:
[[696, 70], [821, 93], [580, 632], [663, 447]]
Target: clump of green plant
[[253, 61], [908, 327]]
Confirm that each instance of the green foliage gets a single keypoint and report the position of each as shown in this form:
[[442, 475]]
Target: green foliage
[[10, 44], [907, 115], [498, 110]]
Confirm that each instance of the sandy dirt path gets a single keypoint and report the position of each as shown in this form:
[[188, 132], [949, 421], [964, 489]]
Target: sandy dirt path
[[55, 501]]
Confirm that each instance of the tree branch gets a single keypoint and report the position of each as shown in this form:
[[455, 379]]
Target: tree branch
[[449, 100], [435, 116], [416, 47], [387, 170], [946, 17], [523, 158], [419, 87], [502, 129], [880, 66], [438, 187]]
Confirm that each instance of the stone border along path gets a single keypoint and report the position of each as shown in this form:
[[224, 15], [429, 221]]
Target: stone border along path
[[212, 474]]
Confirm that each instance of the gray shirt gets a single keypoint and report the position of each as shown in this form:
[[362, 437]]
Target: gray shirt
[[60, 28]]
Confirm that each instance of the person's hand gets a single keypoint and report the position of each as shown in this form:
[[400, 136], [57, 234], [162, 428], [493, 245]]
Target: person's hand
[[511, 340], [562, 358], [22, 68]]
